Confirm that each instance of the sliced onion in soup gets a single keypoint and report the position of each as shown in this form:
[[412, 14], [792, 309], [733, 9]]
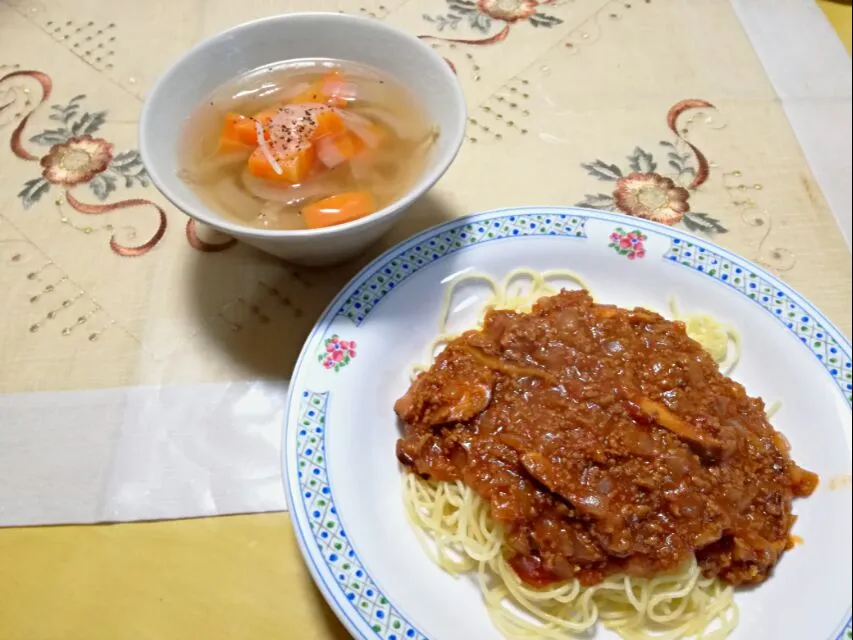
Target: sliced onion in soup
[[291, 196]]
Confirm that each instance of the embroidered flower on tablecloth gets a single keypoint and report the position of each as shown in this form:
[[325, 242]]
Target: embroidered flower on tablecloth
[[479, 15], [77, 160], [337, 353], [645, 191], [651, 196], [75, 157], [508, 10]]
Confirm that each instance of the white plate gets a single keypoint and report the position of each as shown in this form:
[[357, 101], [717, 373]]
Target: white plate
[[342, 478]]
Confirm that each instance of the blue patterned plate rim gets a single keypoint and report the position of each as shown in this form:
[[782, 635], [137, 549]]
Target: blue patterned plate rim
[[333, 593]]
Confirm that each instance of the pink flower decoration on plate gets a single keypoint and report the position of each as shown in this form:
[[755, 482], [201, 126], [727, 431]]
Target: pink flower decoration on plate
[[628, 243], [337, 353]]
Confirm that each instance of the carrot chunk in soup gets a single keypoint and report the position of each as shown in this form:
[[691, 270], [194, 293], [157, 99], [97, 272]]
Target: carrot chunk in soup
[[238, 132], [294, 168], [344, 207]]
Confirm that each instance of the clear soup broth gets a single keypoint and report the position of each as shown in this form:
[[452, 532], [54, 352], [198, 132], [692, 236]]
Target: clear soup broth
[[305, 144]]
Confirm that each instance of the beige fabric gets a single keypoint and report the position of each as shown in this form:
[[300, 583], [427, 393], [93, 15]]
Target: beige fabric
[[242, 577], [593, 86]]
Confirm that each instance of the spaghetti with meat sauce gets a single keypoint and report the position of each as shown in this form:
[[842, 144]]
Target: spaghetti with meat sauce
[[605, 442]]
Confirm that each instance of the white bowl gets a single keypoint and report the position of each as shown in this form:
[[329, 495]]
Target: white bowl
[[300, 35]]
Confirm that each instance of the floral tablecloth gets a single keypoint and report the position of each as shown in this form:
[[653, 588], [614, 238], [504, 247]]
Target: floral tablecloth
[[144, 359]]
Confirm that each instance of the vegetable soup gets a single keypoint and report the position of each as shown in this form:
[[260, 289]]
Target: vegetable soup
[[305, 144]]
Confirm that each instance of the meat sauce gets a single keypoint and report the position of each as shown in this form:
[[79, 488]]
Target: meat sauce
[[605, 441]]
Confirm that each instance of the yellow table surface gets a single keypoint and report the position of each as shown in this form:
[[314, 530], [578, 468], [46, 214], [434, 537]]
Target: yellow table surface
[[839, 14], [230, 577]]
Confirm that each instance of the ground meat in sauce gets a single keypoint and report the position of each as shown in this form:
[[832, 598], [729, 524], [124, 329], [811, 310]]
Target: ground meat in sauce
[[606, 441]]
